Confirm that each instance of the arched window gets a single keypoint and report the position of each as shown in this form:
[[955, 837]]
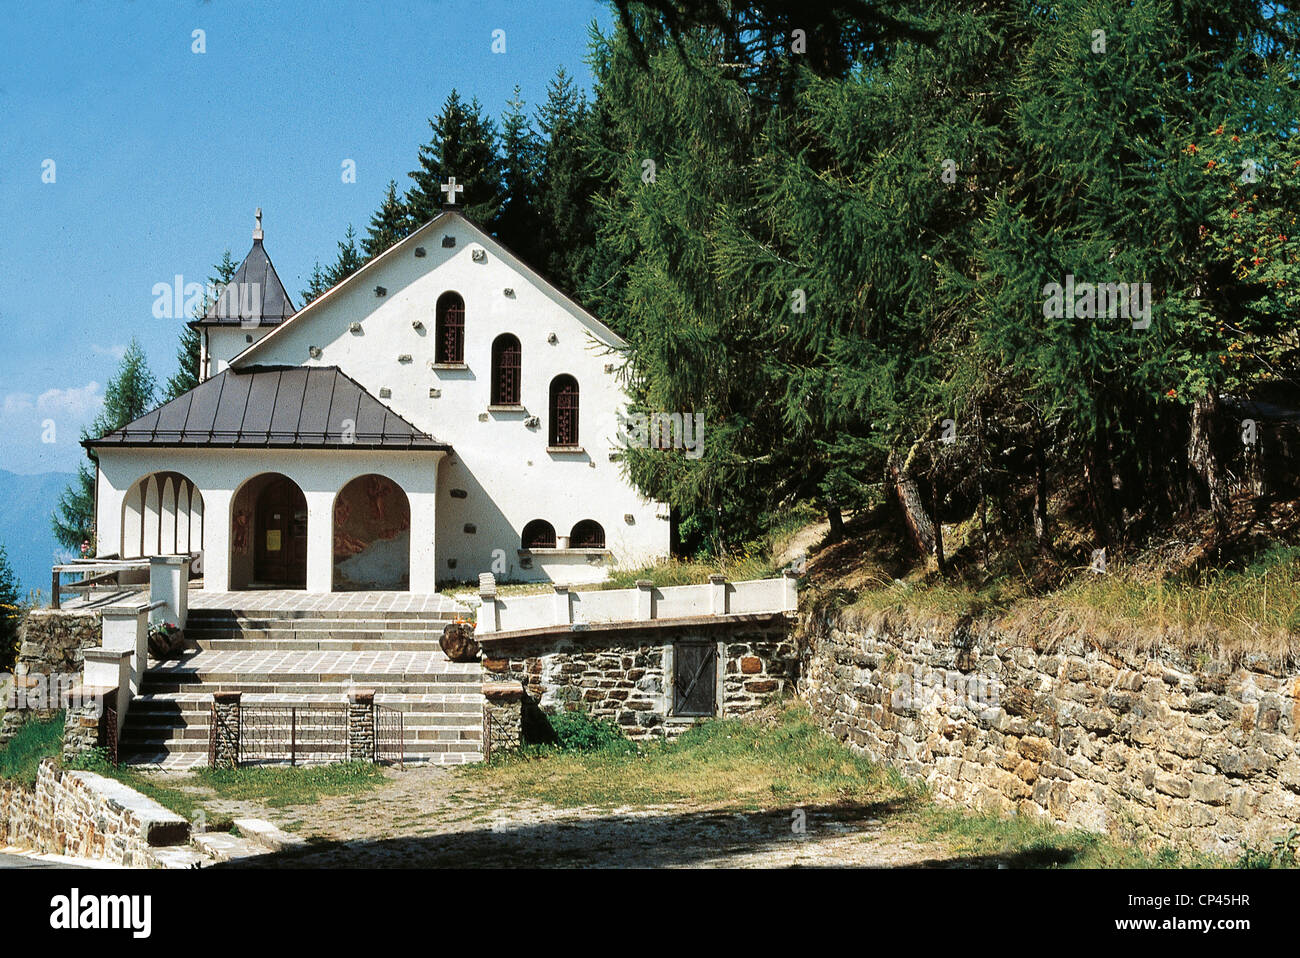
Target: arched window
[[587, 534], [538, 534], [449, 330], [505, 370], [564, 411]]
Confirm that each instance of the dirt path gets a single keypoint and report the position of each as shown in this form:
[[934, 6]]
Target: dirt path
[[429, 817]]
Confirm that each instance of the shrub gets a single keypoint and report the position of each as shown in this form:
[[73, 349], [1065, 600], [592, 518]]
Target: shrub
[[579, 732]]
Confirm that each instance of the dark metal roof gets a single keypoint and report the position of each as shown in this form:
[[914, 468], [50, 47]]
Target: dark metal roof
[[253, 297], [295, 407]]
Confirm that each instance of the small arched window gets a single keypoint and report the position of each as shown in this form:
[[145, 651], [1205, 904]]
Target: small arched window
[[449, 329], [587, 534], [564, 411], [538, 534], [505, 370]]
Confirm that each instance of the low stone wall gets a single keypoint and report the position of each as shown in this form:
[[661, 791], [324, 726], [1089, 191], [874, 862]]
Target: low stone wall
[[87, 816], [49, 663], [1129, 743], [622, 674]]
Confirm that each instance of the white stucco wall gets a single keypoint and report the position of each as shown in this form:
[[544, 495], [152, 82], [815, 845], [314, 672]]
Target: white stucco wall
[[502, 466], [220, 344]]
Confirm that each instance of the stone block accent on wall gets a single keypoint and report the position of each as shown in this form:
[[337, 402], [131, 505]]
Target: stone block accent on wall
[[1132, 743]]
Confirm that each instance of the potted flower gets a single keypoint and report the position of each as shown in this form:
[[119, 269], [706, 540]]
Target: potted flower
[[165, 639]]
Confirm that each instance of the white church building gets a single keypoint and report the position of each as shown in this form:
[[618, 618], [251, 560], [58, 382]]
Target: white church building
[[441, 413]]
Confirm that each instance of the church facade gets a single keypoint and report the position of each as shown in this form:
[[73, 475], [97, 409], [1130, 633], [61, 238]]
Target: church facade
[[441, 413]]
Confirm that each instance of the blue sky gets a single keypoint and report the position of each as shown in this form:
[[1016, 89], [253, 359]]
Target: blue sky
[[161, 155]]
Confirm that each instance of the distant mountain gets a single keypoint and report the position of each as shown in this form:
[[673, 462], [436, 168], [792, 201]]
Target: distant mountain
[[26, 503]]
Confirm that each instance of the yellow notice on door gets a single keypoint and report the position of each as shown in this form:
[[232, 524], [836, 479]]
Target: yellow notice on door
[[272, 540]]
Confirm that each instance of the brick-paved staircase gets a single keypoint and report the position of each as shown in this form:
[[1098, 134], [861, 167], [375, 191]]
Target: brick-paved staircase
[[295, 657]]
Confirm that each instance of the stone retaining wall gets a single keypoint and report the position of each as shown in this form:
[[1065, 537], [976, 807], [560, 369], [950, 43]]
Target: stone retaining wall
[[88, 816], [1142, 746], [622, 674], [51, 644]]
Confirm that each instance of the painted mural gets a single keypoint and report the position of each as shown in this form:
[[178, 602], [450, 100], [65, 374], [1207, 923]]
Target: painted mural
[[372, 534]]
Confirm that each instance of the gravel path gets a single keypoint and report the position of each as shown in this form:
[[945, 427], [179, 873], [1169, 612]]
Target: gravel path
[[428, 817]]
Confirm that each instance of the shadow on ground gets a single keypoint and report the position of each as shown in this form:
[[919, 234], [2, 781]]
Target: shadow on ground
[[835, 835]]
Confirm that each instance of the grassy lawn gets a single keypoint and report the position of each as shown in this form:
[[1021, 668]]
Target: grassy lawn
[[20, 759], [278, 786], [732, 763]]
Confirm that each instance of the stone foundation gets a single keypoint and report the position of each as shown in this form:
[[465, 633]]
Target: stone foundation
[[1129, 743], [622, 674], [87, 816]]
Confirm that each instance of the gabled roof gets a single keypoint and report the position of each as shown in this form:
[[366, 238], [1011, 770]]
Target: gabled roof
[[417, 237], [297, 407], [253, 297]]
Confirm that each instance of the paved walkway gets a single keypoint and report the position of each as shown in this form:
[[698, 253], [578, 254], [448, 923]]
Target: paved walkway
[[285, 600], [291, 665]]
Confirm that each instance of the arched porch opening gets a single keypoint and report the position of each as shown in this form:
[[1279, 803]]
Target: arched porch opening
[[268, 534], [372, 536], [162, 514]]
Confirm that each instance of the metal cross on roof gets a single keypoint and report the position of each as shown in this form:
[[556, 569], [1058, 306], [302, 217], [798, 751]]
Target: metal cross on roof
[[451, 188]]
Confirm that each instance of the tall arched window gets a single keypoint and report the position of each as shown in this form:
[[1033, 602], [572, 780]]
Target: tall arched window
[[449, 329], [564, 411], [587, 534], [538, 534], [505, 370]]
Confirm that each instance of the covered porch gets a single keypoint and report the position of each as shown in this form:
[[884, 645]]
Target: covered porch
[[280, 479]]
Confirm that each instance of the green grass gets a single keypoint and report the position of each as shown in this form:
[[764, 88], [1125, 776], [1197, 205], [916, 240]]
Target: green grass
[[278, 787], [1251, 607], [1024, 842], [20, 759], [729, 762]]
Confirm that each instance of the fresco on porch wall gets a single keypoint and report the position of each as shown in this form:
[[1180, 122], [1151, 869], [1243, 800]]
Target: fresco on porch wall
[[372, 535]]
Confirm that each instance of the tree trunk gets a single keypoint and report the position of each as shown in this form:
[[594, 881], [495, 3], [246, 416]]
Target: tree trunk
[[1100, 482], [1041, 534], [938, 528], [912, 502], [1207, 473], [836, 519]]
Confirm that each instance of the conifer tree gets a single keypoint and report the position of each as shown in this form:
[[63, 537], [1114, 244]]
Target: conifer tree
[[11, 613], [389, 225], [463, 145], [129, 395], [190, 353], [317, 283], [349, 259], [519, 225]]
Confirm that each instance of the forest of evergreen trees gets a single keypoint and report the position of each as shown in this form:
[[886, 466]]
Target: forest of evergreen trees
[[832, 230]]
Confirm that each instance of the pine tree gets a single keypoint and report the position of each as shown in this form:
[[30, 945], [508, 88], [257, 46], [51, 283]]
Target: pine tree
[[190, 353], [566, 187], [317, 283], [11, 613], [463, 145], [519, 225], [349, 259], [129, 395], [389, 225]]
